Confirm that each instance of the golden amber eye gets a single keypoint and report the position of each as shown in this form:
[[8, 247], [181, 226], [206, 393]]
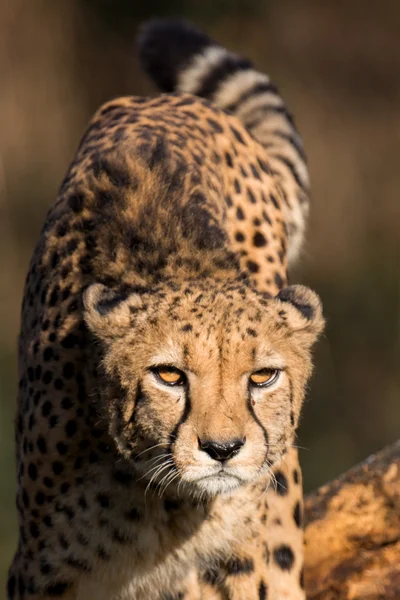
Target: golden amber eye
[[264, 377], [170, 375]]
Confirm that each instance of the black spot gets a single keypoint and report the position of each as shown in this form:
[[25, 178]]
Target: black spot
[[45, 568], [47, 521], [66, 403], [251, 332], [48, 354], [239, 237], [228, 159], [119, 537], [259, 240], [68, 370], [187, 327], [58, 384], [238, 135], [47, 408], [103, 500], [25, 498], [264, 167], [48, 482], [267, 556], [76, 202], [123, 477], [171, 504], [47, 377], [238, 566], [296, 477], [281, 483], [66, 268], [215, 125], [238, 189], [62, 448], [76, 563], [34, 530], [284, 557], [252, 266], [251, 196], [53, 421], [70, 428], [57, 467], [93, 457], [274, 201], [32, 471], [62, 229], [82, 540], [84, 444], [240, 214], [117, 174], [54, 296], [31, 422], [11, 587], [278, 280], [101, 553], [67, 510], [255, 172], [297, 515], [63, 541], [70, 341], [21, 586], [132, 515], [262, 591], [40, 498], [71, 246]]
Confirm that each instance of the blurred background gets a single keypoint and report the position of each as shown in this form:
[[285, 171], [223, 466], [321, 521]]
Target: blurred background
[[337, 64]]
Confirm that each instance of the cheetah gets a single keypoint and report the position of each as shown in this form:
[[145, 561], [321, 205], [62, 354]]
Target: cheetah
[[163, 357]]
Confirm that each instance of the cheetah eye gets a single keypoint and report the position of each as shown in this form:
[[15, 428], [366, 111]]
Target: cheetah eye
[[169, 375], [264, 377]]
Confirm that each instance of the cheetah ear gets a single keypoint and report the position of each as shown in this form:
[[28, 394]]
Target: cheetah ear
[[108, 312], [304, 310]]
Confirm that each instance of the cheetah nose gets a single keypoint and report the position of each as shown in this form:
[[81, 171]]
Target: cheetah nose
[[221, 451]]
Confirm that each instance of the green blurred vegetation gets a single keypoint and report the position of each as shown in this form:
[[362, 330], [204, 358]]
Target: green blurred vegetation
[[338, 65]]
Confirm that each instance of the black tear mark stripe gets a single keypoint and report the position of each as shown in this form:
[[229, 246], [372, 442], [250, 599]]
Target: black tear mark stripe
[[185, 414], [257, 420]]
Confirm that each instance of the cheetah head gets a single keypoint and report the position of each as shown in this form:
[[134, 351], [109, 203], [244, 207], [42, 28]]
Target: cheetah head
[[203, 385]]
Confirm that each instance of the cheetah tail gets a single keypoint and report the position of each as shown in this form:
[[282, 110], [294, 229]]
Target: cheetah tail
[[180, 58]]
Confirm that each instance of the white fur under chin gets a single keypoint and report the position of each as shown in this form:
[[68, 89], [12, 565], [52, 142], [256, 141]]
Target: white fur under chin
[[218, 484]]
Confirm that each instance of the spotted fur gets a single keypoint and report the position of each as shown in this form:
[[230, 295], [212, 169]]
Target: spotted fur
[[168, 245]]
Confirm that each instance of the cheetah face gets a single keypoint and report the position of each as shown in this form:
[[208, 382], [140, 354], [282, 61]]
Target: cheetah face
[[204, 387]]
